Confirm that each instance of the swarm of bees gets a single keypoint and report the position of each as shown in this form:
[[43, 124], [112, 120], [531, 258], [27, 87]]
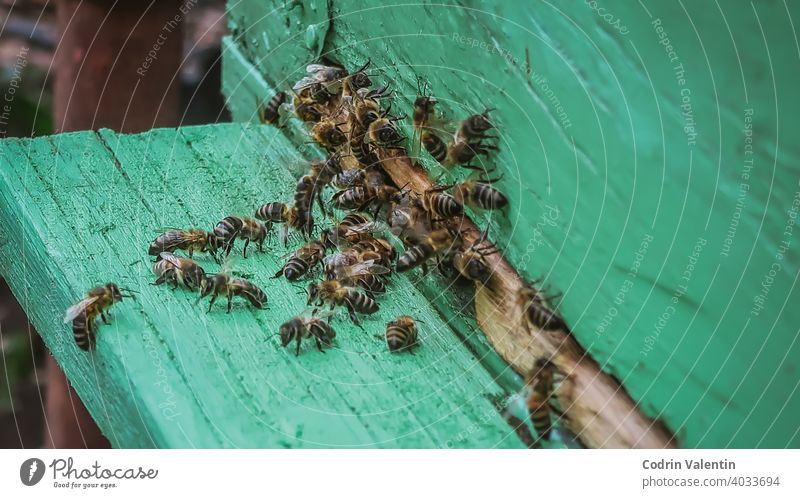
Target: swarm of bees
[[350, 262]]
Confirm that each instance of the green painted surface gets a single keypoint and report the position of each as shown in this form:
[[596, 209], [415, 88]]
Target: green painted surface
[[80, 209], [624, 148]]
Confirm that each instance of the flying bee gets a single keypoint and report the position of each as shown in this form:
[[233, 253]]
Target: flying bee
[[348, 178], [535, 312], [178, 271], [439, 244], [83, 315], [401, 334], [541, 385], [328, 135], [302, 260], [471, 263], [269, 114], [187, 240], [334, 294], [474, 128], [441, 205], [480, 194], [300, 327], [225, 233], [222, 283]]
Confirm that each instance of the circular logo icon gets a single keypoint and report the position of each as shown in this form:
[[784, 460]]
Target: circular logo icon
[[31, 471]]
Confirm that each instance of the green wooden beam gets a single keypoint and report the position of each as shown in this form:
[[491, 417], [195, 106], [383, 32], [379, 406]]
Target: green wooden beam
[[592, 128], [80, 209]]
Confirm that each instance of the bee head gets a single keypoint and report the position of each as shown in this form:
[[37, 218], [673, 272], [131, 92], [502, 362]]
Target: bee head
[[289, 331], [313, 292], [113, 289]]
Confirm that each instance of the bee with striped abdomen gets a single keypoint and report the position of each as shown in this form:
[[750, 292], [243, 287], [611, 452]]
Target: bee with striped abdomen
[[178, 271], [384, 133], [300, 327], [435, 146], [269, 114], [278, 212], [225, 233], [471, 262], [440, 244], [480, 194], [84, 314], [535, 312], [302, 260], [333, 293], [464, 152], [360, 197], [401, 334], [186, 240], [304, 194], [352, 83], [441, 205], [541, 383], [222, 284]]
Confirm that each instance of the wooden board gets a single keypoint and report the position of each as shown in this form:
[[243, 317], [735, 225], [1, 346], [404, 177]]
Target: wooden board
[[80, 209], [616, 189]]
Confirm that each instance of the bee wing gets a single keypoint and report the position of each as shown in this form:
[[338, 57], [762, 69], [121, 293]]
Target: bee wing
[[362, 268], [368, 227], [171, 259], [75, 310]]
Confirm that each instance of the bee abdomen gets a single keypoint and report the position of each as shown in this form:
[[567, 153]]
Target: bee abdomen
[[295, 268], [543, 318], [446, 206], [487, 197], [361, 303], [399, 338], [83, 330], [270, 114], [372, 283], [435, 146], [540, 414], [271, 211], [412, 258]]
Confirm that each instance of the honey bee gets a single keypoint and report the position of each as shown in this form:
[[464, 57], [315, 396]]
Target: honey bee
[[84, 314], [367, 109], [535, 312], [464, 152], [225, 233], [408, 220], [348, 178], [356, 81], [471, 263], [374, 246], [401, 334], [334, 294], [254, 231], [321, 78], [328, 135], [278, 212], [424, 106], [360, 197], [384, 133], [304, 194], [222, 283], [439, 244], [186, 240], [362, 150], [474, 128], [270, 113], [321, 175], [353, 228], [440, 204], [541, 383], [302, 260], [299, 328], [308, 111], [178, 271], [480, 194]]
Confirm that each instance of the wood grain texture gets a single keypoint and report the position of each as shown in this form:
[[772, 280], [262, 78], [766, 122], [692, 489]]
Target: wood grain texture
[[81, 208], [641, 156]]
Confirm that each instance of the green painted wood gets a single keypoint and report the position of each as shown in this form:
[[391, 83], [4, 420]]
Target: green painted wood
[[80, 209], [635, 189]]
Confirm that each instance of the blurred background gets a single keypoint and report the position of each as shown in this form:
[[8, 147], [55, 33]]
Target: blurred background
[[37, 29]]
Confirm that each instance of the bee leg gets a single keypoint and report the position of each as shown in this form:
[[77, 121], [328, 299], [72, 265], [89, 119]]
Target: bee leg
[[319, 344], [352, 312], [160, 280], [103, 316], [244, 249], [230, 301], [191, 252], [213, 298], [297, 349]]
